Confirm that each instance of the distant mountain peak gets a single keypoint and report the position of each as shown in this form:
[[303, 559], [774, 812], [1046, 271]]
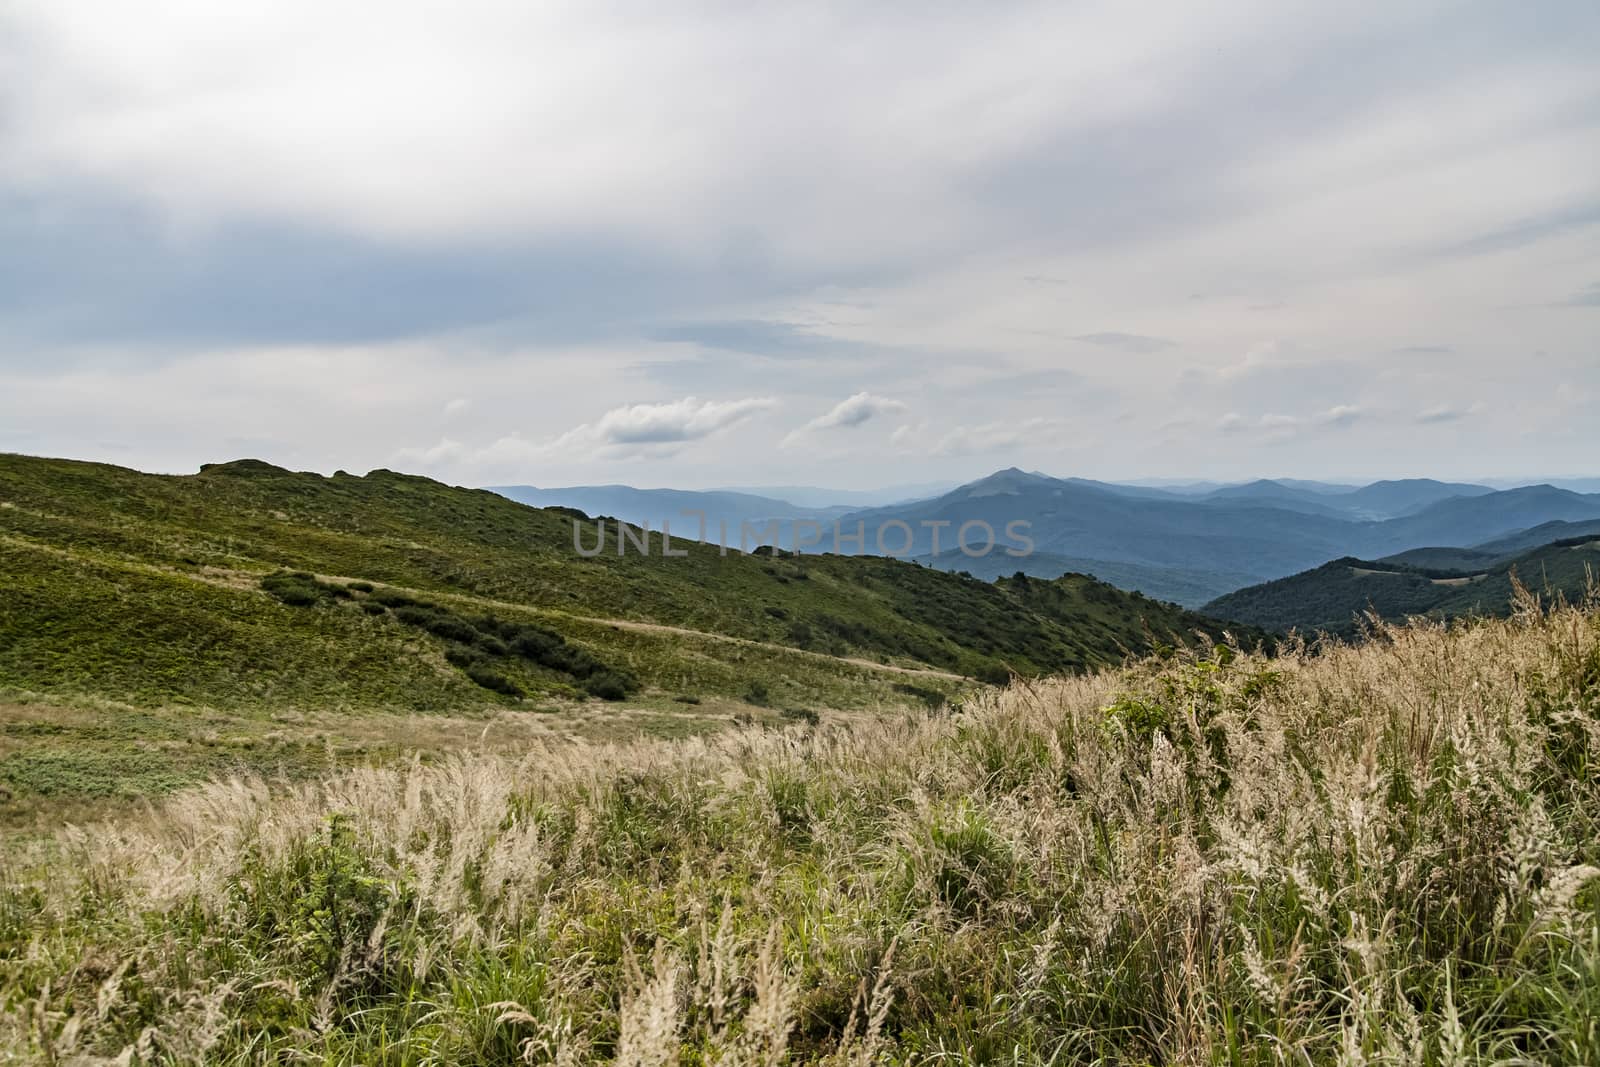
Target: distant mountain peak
[[1009, 480]]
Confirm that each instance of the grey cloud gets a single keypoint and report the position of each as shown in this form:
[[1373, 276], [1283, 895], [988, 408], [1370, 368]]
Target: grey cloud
[[1025, 382], [87, 272], [774, 340], [1138, 344], [1526, 231], [1586, 298], [982, 178]]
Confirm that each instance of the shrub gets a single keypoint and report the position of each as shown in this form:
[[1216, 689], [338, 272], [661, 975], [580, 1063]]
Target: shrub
[[535, 644], [437, 621], [413, 615], [608, 685], [296, 596], [299, 589], [492, 679], [451, 628], [801, 635], [463, 656], [758, 694], [492, 645]]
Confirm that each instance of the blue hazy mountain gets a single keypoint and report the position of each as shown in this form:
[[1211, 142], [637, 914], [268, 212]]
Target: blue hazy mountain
[[811, 496], [1380, 500], [1183, 548]]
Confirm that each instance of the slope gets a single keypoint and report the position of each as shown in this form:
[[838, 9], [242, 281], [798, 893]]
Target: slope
[[1331, 597], [148, 589]]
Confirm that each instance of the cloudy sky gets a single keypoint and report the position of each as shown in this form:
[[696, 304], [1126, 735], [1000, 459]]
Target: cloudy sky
[[714, 243]]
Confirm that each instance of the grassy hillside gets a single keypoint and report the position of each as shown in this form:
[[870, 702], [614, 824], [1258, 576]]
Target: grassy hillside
[[1380, 855], [253, 592], [1332, 597]]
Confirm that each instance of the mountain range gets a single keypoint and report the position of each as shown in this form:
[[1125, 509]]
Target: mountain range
[[1188, 544]]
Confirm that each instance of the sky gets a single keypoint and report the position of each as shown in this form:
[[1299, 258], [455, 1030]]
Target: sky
[[700, 244]]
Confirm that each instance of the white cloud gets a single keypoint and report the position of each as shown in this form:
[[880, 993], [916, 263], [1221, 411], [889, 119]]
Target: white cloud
[[1449, 412], [455, 407], [634, 430], [683, 420], [1266, 354], [1132, 343], [851, 412], [1280, 425], [1342, 415]]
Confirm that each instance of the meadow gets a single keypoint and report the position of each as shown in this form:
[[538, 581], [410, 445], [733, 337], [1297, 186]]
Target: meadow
[[1373, 854]]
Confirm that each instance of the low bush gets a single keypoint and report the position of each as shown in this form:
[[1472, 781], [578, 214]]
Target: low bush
[[608, 685], [492, 679], [479, 637], [299, 589], [463, 656]]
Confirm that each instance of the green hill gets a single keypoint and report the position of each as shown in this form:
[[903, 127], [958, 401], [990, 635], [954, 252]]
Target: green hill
[[251, 591], [1331, 597]]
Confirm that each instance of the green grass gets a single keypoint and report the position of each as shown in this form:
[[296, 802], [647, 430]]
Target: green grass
[[1383, 855]]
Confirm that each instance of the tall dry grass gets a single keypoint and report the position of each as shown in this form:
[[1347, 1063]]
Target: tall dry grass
[[1383, 854]]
